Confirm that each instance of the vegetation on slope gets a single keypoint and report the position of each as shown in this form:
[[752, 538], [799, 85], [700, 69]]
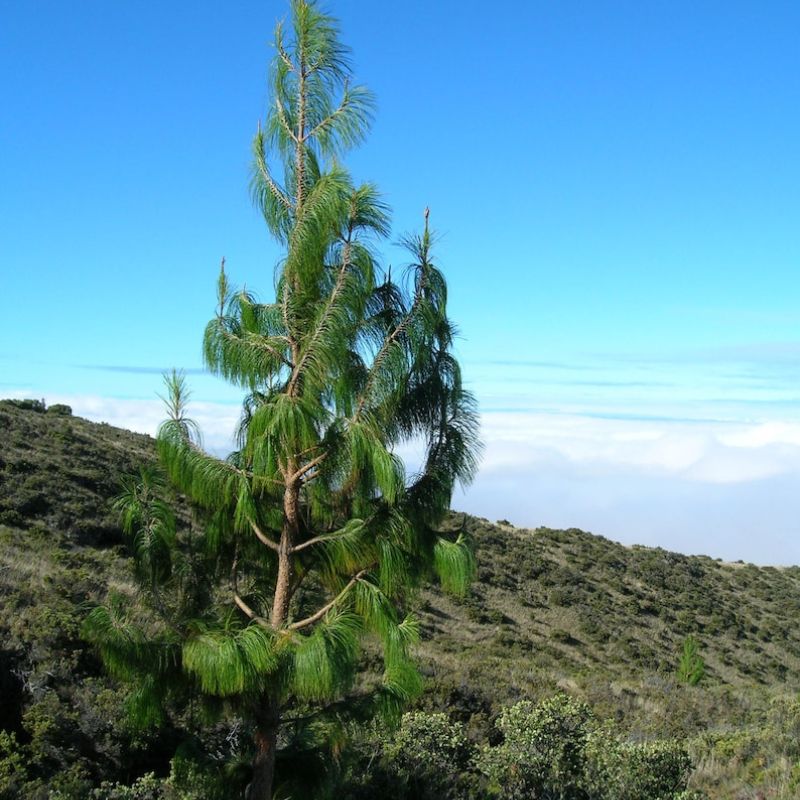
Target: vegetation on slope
[[572, 609], [552, 612]]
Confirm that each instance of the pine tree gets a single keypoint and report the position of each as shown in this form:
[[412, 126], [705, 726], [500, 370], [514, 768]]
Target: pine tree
[[692, 667], [310, 535]]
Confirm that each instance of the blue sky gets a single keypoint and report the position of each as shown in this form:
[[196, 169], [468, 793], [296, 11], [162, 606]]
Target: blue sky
[[616, 189]]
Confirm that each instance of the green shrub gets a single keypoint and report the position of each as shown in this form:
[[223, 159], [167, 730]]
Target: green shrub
[[557, 751], [13, 768], [148, 787], [431, 757], [542, 753], [28, 404], [627, 771]]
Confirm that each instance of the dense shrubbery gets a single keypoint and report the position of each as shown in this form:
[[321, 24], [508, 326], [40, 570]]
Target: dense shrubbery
[[553, 750]]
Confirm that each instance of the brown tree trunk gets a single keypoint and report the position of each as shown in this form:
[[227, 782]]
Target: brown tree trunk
[[291, 522], [267, 715], [283, 583], [267, 719]]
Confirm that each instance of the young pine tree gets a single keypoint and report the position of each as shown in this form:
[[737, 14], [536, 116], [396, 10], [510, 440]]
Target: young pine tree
[[691, 667], [310, 535]]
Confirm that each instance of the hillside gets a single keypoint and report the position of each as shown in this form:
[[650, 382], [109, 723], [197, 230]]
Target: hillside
[[572, 609], [551, 610]]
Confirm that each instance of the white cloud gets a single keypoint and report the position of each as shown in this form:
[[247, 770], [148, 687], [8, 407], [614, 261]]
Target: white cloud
[[725, 490], [706, 452], [703, 452], [217, 421], [762, 434]]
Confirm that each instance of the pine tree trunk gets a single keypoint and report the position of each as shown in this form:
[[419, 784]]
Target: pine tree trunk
[[283, 581], [267, 719], [268, 716]]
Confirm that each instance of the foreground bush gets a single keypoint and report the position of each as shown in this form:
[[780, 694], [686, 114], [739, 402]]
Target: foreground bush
[[556, 750], [543, 753], [553, 750], [624, 771]]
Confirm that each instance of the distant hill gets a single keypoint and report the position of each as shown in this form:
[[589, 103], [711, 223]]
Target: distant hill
[[551, 610]]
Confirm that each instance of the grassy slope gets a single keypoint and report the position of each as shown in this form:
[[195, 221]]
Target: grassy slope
[[566, 609], [550, 609]]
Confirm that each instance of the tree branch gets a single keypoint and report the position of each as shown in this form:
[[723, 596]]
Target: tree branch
[[308, 466], [325, 537], [257, 342], [378, 361], [284, 121], [327, 121], [328, 606], [273, 187], [263, 538], [237, 598], [392, 337], [331, 303], [285, 56], [285, 315]]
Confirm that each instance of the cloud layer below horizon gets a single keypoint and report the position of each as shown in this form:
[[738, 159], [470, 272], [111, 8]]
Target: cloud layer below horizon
[[725, 489]]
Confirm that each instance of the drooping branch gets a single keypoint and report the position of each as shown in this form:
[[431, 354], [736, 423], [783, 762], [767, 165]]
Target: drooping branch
[[325, 537], [299, 139], [380, 357], [394, 335], [324, 124], [255, 342], [284, 56], [284, 122]]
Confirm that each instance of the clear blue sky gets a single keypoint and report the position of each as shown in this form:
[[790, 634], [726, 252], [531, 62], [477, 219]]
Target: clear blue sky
[[617, 185]]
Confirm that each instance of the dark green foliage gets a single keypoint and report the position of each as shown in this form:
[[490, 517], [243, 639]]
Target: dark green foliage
[[619, 770], [28, 405], [13, 767], [557, 751], [429, 758]]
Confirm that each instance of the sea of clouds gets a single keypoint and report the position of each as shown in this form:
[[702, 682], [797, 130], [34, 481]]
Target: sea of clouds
[[725, 489]]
